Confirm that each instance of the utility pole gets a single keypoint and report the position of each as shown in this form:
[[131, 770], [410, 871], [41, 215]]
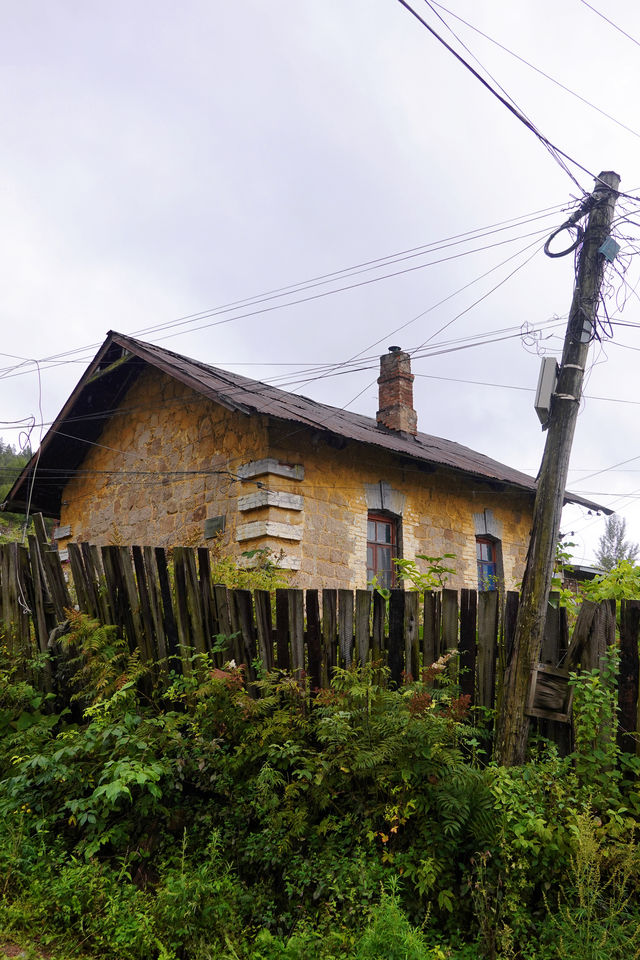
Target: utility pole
[[512, 725]]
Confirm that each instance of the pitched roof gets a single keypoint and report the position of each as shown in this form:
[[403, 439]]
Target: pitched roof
[[119, 362]]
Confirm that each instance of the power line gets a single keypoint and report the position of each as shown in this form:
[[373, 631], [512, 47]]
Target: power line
[[598, 473], [556, 152], [480, 299], [479, 339], [536, 69], [439, 303], [611, 23], [12, 373], [345, 367], [432, 247], [366, 266]]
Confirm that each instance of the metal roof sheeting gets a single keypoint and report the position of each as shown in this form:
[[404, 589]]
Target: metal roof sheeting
[[111, 372]]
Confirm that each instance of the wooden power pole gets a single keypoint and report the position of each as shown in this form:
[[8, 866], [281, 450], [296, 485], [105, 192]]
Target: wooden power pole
[[512, 726]]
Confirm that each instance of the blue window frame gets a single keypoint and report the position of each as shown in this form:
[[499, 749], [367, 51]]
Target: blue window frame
[[487, 564]]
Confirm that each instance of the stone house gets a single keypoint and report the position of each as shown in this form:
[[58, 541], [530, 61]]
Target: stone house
[[154, 448]]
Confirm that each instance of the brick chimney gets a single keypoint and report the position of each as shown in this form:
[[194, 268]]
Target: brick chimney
[[395, 393]]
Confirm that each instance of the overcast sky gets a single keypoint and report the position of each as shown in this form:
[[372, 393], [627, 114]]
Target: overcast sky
[[164, 160]]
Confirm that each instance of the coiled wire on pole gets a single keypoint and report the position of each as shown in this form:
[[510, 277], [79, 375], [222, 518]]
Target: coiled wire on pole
[[565, 226]]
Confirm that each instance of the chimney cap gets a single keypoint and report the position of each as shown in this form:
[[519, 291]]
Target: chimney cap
[[395, 349]]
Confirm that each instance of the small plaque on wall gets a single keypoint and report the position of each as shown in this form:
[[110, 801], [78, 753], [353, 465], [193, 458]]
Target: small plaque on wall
[[213, 526]]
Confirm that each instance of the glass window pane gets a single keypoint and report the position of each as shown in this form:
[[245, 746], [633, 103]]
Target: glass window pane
[[371, 530], [384, 558]]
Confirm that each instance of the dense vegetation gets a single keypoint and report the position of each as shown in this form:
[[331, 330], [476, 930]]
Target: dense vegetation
[[11, 463], [183, 817]]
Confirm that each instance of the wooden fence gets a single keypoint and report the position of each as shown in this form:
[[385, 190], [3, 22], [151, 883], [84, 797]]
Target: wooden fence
[[168, 607]]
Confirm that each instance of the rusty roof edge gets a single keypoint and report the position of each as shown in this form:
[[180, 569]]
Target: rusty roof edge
[[176, 370]]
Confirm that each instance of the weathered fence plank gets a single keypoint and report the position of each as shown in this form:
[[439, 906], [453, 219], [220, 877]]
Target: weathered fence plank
[[329, 631], [449, 620], [468, 644], [411, 636], [580, 635], [262, 602], [314, 639], [282, 629], [296, 632], [363, 629], [224, 614], [209, 620], [244, 608], [182, 609], [432, 627], [132, 601], [150, 650], [155, 602], [168, 618], [487, 644], [79, 579], [345, 626], [42, 610], [195, 602], [396, 636], [378, 626]]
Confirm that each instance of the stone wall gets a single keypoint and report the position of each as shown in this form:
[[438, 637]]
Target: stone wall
[[439, 510], [162, 466], [170, 460]]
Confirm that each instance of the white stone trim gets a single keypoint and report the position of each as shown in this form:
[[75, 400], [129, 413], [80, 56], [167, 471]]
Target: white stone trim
[[271, 498], [258, 468], [382, 496], [487, 525], [268, 528]]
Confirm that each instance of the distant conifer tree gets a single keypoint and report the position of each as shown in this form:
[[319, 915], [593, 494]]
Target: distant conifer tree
[[612, 546]]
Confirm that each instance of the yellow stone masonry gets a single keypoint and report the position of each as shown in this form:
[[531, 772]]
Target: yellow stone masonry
[[152, 477], [169, 459]]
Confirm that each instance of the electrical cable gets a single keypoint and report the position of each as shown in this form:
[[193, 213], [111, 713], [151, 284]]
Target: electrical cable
[[532, 66], [328, 370], [439, 303], [555, 151], [468, 236], [551, 150], [36, 461], [480, 299], [611, 23]]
